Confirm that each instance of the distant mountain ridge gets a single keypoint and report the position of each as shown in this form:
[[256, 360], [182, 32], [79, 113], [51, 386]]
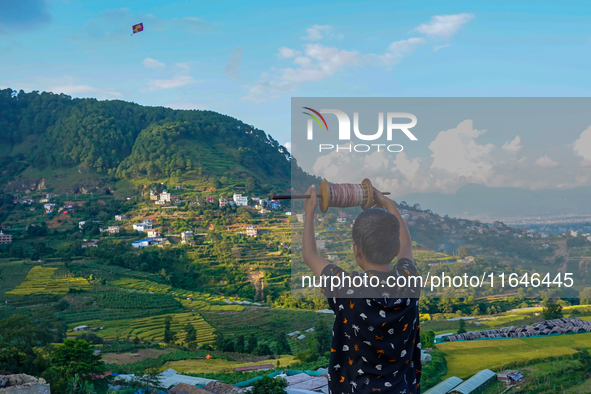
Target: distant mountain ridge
[[53, 141], [509, 204]]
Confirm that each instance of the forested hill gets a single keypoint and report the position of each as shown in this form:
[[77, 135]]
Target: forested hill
[[53, 141]]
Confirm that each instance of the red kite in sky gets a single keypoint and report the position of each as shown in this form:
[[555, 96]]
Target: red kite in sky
[[137, 28]]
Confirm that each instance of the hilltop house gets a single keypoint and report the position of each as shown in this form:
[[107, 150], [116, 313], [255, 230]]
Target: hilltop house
[[152, 233], [273, 204], [91, 244], [300, 217], [240, 200], [143, 226], [165, 196], [251, 231], [186, 236], [223, 202], [121, 217], [49, 207], [5, 238], [113, 229], [209, 199], [83, 222], [143, 243]]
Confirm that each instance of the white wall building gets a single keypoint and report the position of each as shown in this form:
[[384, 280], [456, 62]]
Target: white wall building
[[186, 236], [165, 196], [240, 200]]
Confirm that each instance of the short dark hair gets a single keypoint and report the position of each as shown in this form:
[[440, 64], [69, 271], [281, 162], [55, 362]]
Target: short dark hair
[[377, 233]]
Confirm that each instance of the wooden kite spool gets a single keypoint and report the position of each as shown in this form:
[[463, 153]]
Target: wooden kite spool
[[345, 195], [340, 195]]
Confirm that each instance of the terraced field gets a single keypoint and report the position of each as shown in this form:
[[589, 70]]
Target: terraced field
[[11, 275], [151, 286], [464, 358], [150, 328], [39, 280], [219, 365], [200, 305]]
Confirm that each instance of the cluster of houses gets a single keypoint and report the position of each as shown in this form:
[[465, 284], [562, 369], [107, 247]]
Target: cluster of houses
[[50, 208], [239, 200], [163, 198], [153, 236], [575, 234], [28, 201], [110, 229], [262, 204]]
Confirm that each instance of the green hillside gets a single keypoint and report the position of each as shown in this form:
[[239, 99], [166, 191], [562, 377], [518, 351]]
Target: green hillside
[[50, 141]]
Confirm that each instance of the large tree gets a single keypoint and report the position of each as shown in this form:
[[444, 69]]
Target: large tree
[[76, 368], [21, 343]]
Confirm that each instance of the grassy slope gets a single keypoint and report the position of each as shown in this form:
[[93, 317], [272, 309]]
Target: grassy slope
[[468, 357]]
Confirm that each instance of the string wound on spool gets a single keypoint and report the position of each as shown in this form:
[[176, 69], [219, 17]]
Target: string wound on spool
[[346, 195]]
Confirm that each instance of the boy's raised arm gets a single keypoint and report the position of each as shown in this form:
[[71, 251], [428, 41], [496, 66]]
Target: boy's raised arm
[[384, 202], [309, 251]]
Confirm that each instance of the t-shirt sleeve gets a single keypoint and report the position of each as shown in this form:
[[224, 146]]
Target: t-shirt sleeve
[[407, 268]]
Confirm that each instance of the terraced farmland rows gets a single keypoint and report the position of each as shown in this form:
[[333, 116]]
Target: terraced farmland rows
[[39, 280], [200, 305], [151, 328], [11, 275], [151, 286]]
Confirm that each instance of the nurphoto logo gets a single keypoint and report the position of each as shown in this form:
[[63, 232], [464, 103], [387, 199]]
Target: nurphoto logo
[[345, 130]]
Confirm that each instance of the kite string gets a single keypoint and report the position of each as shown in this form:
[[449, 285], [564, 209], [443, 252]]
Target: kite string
[[347, 195]]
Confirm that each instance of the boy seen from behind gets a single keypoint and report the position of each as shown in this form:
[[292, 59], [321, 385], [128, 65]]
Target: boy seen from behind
[[376, 340]]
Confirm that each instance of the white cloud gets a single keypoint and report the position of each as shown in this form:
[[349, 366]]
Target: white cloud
[[398, 50], [458, 152], [286, 53], [79, 90], [152, 63], [582, 146], [437, 48], [316, 32], [444, 25], [184, 67], [458, 157], [513, 146], [175, 82], [319, 62], [287, 146], [407, 167], [182, 78], [232, 69], [546, 162]]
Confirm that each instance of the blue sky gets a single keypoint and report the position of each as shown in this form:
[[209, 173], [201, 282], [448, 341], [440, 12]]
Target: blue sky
[[247, 59]]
